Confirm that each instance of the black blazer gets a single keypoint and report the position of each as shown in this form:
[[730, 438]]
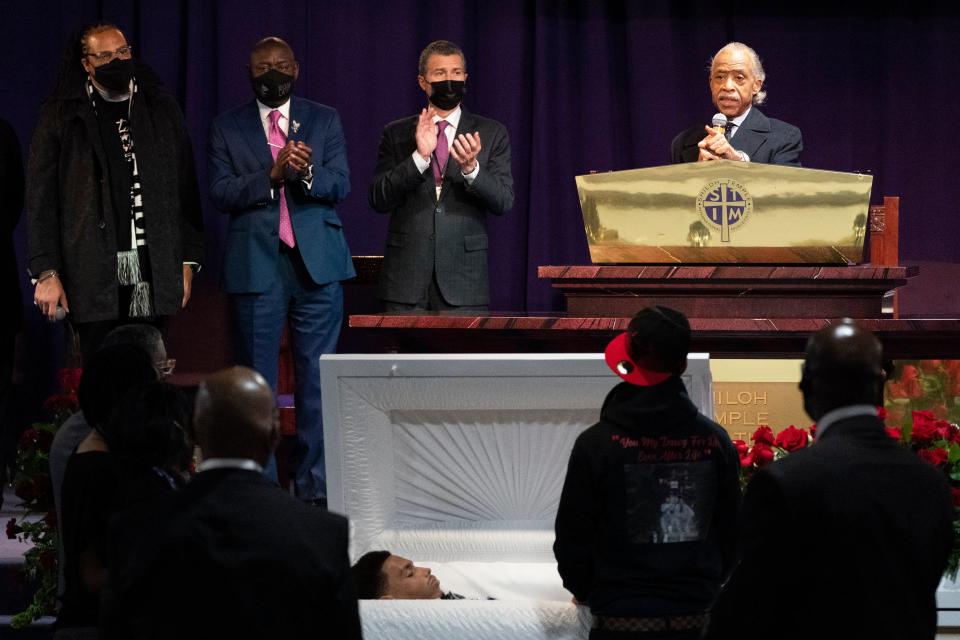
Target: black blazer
[[846, 539], [70, 220], [231, 556], [448, 237], [763, 139]]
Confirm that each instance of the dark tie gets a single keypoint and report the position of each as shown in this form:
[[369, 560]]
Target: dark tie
[[442, 152], [728, 130]]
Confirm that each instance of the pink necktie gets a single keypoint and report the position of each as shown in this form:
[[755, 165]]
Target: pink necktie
[[442, 152], [277, 141]]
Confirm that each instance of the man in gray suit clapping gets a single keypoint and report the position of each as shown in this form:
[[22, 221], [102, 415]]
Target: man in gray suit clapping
[[438, 175]]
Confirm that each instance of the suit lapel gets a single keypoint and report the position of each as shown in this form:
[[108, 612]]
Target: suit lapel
[[753, 133], [299, 115], [252, 131]]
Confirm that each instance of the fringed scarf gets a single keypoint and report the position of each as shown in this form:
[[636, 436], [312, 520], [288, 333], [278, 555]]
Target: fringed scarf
[[133, 264]]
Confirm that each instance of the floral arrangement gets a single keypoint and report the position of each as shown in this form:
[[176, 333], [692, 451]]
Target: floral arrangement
[[38, 525], [934, 439]]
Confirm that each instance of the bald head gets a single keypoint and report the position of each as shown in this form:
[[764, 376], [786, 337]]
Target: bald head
[[236, 416], [843, 366], [271, 43]]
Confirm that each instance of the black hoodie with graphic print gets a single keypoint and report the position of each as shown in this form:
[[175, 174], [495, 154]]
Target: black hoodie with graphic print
[[647, 519]]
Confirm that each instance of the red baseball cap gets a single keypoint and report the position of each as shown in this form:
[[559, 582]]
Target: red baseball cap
[[619, 360]]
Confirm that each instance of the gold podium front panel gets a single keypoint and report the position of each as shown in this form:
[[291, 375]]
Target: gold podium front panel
[[725, 212]]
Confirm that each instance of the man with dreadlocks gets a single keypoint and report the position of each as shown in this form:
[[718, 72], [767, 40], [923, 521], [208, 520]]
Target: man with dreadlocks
[[115, 225]]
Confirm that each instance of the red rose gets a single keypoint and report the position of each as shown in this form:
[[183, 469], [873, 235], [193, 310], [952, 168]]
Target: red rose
[[896, 390], [791, 439], [882, 413], [935, 457], [813, 432], [930, 366], [763, 435], [954, 434], [25, 490], [44, 440], [941, 430], [742, 447], [28, 438], [955, 492], [13, 528], [895, 433], [70, 380], [909, 372], [910, 383], [746, 460], [940, 411], [48, 560], [924, 427], [762, 454]]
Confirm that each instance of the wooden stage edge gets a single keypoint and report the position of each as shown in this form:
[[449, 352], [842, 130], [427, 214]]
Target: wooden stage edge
[[721, 337]]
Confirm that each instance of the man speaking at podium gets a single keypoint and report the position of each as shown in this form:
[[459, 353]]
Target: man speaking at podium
[[736, 85]]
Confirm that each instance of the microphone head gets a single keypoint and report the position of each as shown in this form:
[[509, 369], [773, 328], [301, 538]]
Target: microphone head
[[60, 313], [719, 120]]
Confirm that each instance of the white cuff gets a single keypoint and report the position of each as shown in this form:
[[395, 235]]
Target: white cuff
[[470, 177], [422, 165]]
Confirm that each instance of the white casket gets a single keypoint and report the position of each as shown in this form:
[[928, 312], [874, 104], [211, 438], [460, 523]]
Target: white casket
[[457, 462]]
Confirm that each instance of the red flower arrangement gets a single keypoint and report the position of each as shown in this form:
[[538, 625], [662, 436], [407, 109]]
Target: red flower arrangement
[[32, 485], [766, 448]]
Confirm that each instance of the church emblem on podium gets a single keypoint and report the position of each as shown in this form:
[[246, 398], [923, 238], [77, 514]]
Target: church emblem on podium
[[725, 205]]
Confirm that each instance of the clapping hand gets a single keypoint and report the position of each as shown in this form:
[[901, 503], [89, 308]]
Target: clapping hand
[[426, 134], [465, 149]]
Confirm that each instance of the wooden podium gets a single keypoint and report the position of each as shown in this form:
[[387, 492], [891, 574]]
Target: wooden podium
[[761, 294]]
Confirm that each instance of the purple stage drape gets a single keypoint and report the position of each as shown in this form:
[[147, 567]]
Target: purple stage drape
[[579, 85]]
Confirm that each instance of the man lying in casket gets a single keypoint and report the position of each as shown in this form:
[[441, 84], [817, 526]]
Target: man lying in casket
[[384, 576]]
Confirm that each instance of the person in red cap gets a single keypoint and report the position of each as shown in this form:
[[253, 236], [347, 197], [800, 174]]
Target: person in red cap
[[646, 527]]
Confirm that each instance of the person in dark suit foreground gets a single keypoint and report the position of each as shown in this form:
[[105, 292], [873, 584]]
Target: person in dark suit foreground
[[278, 167], [736, 86], [436, 255], [849, 537], [232, 555]]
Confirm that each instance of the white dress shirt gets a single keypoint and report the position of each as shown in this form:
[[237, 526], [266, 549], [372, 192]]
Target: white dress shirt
[[284, 124], [453, 118]]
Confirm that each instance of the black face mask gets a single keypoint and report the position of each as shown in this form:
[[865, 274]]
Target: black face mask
[[115, 75], [272, 88], [447, 94]]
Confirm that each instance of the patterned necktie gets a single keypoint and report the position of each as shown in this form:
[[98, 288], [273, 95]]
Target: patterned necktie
[[441, 154], [277, 141], [728, 130]]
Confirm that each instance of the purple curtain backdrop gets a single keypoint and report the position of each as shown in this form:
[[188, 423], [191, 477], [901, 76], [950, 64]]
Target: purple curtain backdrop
[[579, 85]]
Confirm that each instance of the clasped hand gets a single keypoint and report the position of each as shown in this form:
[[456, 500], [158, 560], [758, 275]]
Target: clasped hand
[[293, 158], [716, 147]]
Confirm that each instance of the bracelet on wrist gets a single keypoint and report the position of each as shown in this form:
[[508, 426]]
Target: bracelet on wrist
[[46, 275]]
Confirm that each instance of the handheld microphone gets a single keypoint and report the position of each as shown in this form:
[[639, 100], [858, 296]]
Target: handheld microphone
[[59, 314], [719, 122]]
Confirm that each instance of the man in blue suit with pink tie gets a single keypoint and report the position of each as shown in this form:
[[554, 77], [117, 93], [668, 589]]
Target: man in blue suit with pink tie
[[278, 165]]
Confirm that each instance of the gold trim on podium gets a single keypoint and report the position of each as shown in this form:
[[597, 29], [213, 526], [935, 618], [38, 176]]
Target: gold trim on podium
[[725, 212]]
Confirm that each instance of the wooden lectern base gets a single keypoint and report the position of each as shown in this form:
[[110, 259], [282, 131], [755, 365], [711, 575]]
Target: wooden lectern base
[[728, 291]]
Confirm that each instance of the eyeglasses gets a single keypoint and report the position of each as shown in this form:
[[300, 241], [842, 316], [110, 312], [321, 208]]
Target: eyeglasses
[[282, 67], [124, 53], [165, 367]]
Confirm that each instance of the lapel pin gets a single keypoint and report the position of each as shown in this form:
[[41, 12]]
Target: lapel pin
[[295, 125]]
